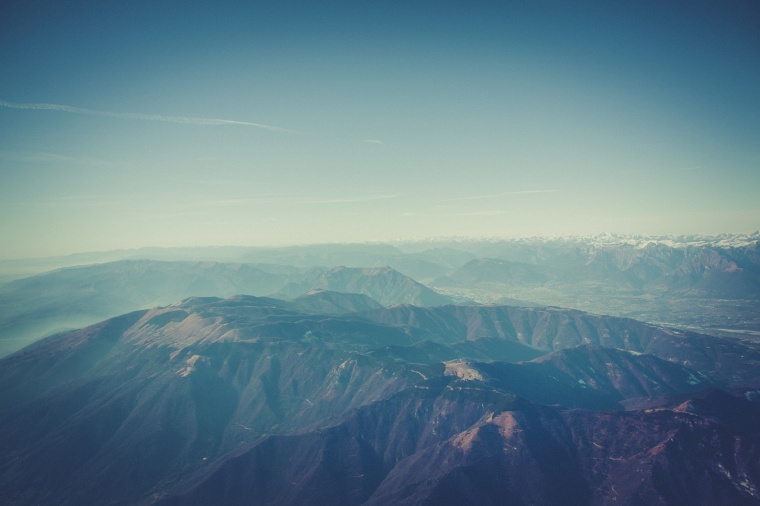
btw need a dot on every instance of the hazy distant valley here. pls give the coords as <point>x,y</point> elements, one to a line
<point>705,284</point>
<point>427,373</point>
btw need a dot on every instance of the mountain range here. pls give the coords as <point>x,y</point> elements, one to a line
<point>260,400</point>
<point>706,284</point>
<point>445,372</point>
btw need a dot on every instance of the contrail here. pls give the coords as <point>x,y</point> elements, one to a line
<point>183,120</point>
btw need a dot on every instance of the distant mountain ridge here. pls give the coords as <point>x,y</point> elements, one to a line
<point>704,271</point>
<point>77,296</point>
<point>710,285</point>
<point>383,284</point>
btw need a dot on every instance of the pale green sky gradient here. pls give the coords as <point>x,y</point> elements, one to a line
<point>404,121</point>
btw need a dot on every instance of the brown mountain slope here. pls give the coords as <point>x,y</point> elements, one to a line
<point>445,447</point>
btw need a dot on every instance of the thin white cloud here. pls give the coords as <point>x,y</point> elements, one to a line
<point>350,200</point>
<point>85,201</point>
<point>44,157</point>
<point>373,141</point>
<point>524,192</point>
<point>183,120</point>
<point>482,213</point>
<point>235,202</point>
<point>220,182</point>
<point>286,200</point>
<point>497,195</point>
<point>410,214</point>
<point>471,197</point>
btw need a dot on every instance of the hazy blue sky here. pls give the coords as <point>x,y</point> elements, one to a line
<point>134,123</point>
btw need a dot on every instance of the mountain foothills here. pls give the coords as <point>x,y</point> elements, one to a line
<point>445,373</point>
<point>257,400</point>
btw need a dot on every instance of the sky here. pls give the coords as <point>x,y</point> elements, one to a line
<point>191,123</point>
